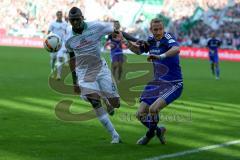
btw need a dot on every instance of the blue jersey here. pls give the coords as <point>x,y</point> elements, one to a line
<point>169,68</point>
<point>213,45</point>
<point>116,46</point>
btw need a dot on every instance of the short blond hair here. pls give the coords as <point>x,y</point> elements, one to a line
<point>156,20</point>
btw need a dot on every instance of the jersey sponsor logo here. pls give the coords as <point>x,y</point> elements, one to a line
<point>155,51</point>
<point>84,43</point>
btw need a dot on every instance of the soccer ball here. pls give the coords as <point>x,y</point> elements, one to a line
<point>52,43</point>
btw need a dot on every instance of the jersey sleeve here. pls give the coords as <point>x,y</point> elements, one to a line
<point>105,28</point>
<point>170,40</point>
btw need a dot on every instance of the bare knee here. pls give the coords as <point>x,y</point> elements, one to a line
<point>115,102</point>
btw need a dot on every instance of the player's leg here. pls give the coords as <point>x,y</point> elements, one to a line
<point>53,58</point>
<point>66,58</point>
<point>211,59</point>
<point>114,69</point>
<point>154,110</point>
<point>142,113</point>
<point>120,66</point>
<point>164,99</point>
<point>60,62</point>
<point>217,69</point>
<point>143,116</point>
<point>59,65</point>
<point>112,103</point>
<point>148,97</point>
<point>108,89</point>
<point>102,116</point>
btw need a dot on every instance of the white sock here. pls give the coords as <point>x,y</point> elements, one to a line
<point>59,69</point>
<point>104,119</point>
<point>52,64</point>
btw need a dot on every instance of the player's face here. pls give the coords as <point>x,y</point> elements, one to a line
<point>76,22</point>
<point>213,35</point>
<point>117,25</point>
<point>59,15</point>
<point>157,30</point>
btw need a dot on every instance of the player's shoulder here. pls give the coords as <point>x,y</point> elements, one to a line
<point>151,39</point>
<point>99,24</point>
<point>169,38</point>
<point>218,39</point>
<point>94,23</point>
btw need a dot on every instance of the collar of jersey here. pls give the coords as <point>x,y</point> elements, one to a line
<point>84,28</point>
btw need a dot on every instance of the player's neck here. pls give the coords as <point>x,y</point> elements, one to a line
<point>80,29</point>
<point>59,20</point>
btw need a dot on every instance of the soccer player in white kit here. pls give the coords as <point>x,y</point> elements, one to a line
<point>58,27</point>
<point>90,72</point>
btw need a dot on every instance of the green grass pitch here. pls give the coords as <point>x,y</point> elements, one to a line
<point>207,113</point>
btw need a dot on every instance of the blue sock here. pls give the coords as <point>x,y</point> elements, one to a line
<point>150,121</point>
<point>152,124</point>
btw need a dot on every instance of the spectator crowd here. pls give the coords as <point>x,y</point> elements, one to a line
<point>31,18</point>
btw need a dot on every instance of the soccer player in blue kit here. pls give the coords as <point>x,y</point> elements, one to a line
<point>167,84</point>
<point>213,45</point>
<point>116,53</point>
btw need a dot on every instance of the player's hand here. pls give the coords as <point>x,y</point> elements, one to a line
<point>76,89</point>
<point>152,57</point>
<point>140,42</point>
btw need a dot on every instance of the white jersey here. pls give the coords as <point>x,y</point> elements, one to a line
<point>89,42</point>
<point>93,73</point>
<point>59,28</point>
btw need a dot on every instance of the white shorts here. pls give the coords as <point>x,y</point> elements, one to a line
<point>102,82</point>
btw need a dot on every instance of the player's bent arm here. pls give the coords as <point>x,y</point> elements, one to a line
<point>134,48</point>
<point>175,50</point>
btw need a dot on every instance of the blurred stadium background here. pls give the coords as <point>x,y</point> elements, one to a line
<point>191,21</point>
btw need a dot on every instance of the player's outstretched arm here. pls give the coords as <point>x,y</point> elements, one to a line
<point>129,37</point>
<point>134,47</point>
<point>72,65</point>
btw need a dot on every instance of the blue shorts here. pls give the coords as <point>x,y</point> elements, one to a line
<point>213,58</point>
<point>117,58</point>
<point>168,91</point>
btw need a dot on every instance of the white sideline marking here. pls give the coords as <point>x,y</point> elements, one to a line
<point>193,150</point>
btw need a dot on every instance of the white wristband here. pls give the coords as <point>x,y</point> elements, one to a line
<point>162,56</point>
